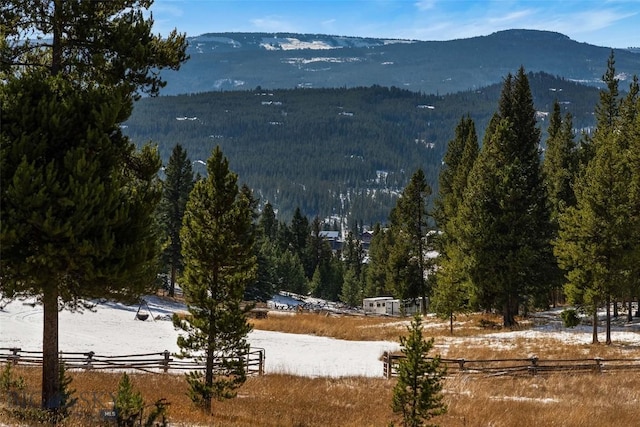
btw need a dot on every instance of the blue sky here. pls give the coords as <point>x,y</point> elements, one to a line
<point>610,23</point>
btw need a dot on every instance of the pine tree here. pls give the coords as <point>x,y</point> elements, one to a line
<point>598,239</point>
<point>217,239</point>
<point>451,286</point>
<point>410,226</point>
<point>128,403</point>
<point>298,238</point>
<point>77,205</point>
<point>91,195</point>
<point>504,217</point>
<point>376,273</point>
<point>268,223</point>
<point>418,393</point>
<point>560,169</point>
<point>176,189</point>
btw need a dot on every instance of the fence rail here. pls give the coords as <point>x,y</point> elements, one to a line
<point>525,366</point>
<point>148,362</point>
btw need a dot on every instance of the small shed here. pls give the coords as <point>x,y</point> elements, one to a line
<point>376,305</point>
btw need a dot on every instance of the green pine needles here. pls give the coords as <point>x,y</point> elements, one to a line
<point>218,251</point>
<point>418,394</point>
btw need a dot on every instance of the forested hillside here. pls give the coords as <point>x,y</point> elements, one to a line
<point>341,151</point>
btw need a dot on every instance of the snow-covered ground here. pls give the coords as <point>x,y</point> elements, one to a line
<point>111,330</point>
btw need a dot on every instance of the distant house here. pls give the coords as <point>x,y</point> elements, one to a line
<point>376,305</point>
<point>365,238</point>
<point>333,237</point>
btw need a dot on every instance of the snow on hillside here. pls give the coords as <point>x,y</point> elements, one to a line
<point>111,329</point>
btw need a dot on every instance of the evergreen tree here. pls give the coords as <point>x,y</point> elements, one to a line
<point>451,286</point>
<point>93,195</point>
<point>417,395</point>
<point>290,274</point>
<point>217,239</point>
<point>77,205</point>
<point>598,239</point>
<point>351,293</point>
<point>128,403</point>
<point>176,189</point>
<point>560,163</point>
<point>327,275</point>
<point>504,217</point>
<point>353,254</point>
<point>560,168</point>
<point>410,225</point>
<point>268,223</point>
<point>299,233</point>
<point>376,273</point>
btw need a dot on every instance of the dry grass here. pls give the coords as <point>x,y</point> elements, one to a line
<point>281,400</point>
<point>567,400</point>
<point>372,328</point>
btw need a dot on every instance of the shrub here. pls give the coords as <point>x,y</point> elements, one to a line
<point>570,318</point>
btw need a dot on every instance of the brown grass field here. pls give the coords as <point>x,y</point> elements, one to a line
<point>584,399</point>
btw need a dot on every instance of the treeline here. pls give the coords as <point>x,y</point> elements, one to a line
<point>510,230</point>
<point>346,152</point>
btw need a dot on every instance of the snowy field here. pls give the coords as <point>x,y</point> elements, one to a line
<point>112,330</point>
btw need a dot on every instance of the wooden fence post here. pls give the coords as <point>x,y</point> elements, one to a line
<point>14,355</point>
<point>388,364</point>
<point>598,364</point>
<point>534,365</point>
<point>461,363</point>
<point>261,364</point>
<point>165,362</point>
<point>89,360</point>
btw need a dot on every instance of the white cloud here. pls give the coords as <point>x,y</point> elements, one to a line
<point>511,18</point>
<point>597,19</point>
<point>425,4</point>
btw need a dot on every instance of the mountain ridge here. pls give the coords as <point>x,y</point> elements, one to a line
<point>232,61</point>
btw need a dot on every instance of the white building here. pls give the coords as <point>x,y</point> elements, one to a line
<point>376,305</point>
<point>391,307</point>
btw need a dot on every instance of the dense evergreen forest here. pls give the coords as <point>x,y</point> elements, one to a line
<point>343,152</point>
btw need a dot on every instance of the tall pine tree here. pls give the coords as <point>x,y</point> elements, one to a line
<point>598,239</point>
<point>451,288</point>
<point>69,73</point>
<point>504,217</point>
<point>560,169</point>
<point>409,263</point>
<point>217,239</point>
<point>175,193</point>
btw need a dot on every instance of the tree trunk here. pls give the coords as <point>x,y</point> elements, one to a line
<point>208,377</point>
<point>424,305</point>
<point>508,319</point>
<point>172,281</point>
<point>50,364</point>
<point>608,327</point>
<point>594,340</point>
<point>451,323</point>
<point>630,311</point>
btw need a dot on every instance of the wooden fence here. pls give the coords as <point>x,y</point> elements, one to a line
<point>528,366</point>
<point>149,362</point>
